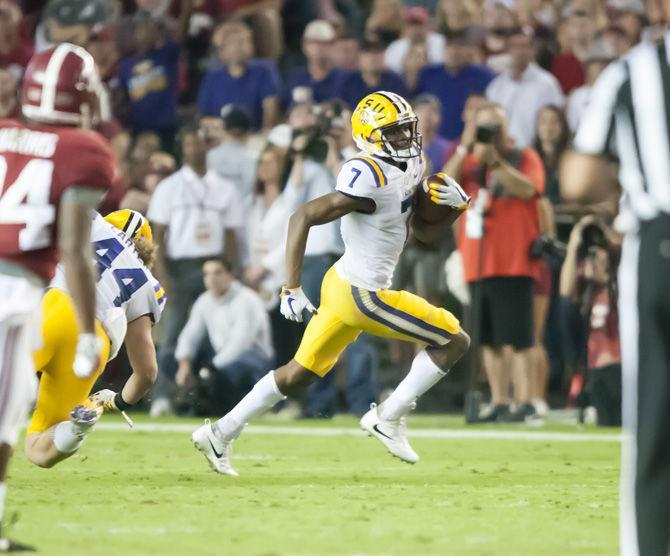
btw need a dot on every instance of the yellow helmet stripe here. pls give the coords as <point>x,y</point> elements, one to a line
<point>377,172</point>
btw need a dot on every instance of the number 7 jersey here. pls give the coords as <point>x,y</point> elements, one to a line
<point>38,165</point>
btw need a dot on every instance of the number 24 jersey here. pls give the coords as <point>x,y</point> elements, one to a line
<point>38,164</point>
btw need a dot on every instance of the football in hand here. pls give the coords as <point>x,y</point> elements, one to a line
<point>426,210</point>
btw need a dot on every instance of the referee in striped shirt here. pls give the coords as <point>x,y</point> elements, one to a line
<point>626,129</point>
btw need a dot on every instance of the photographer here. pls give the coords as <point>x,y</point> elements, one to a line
<point>588,286</point>
<point>495,239</point>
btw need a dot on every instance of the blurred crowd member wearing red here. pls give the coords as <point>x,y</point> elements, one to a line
<point>588,282</point>
<point>15,52</point>
<point>494,239</point>
<point>567,66</point>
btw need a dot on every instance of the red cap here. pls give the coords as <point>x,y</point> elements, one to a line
<point>417,14</point>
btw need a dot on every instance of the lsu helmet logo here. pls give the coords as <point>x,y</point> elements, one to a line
<point>384,124</point>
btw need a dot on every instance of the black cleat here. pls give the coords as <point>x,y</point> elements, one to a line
<point>493,414</point>
<point>523,412</point>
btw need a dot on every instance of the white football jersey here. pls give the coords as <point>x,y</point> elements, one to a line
<point>373,242</point>
<point>124,285</point>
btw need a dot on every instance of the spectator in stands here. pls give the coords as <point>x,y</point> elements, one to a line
<point>588,284</point>
<point>145,144</point>
<point>138,196</point>
<point>319,80</point>
<point>385,20</point>
<point>552,138</point>
<point>600,54</point>
<point>416,34</point>
<point>346,53</point>
<point>268,223</point>
<point>428,109</point>
<point>629,16</point>
<point>240,79</point>
<point>524,89</point>
<point>102,46</point>
<point>211,128</point>
<point>231,158</point>
<point>9,100</point>
<point>504,183</point>
<point>453,82</point>
<point>463,144</point>
<point>456,16</point>
<point>264,20</point>
<point>499,19</point>
<point>228,331</point>
<point>372,75</point>
<point>567,66</point>
<point>148,80</point>
<point>194,215</point>
<point>14,51</point>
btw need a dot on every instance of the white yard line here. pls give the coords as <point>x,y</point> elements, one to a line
<point>432,434</point>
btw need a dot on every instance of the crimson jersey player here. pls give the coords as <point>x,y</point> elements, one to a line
<point>52,174</point>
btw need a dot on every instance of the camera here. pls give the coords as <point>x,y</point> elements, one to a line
<point>543,245</point>
<point>329,122</point>
<point>487,134</point>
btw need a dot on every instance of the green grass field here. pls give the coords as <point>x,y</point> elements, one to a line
<point>149,492</point>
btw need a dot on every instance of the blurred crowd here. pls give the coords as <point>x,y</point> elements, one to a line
<point>225,115</point>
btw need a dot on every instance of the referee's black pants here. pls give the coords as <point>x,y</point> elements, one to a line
<point>645,327</point>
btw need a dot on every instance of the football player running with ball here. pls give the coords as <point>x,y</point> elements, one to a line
<point>374,197</point>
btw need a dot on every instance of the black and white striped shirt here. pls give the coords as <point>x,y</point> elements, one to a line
<point>628,118</point>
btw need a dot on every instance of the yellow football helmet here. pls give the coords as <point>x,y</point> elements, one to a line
<point>384,124</point>
<point>132,223</point>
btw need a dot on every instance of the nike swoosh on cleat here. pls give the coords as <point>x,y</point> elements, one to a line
<point>377,429</point>
<point>214,449</point>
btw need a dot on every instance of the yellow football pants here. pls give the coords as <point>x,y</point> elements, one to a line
<point>346,311</point>
<point>60,389</point>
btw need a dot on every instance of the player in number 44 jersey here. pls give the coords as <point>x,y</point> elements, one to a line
<point>129,301</point>
<point>374,198</point>
<point>52,173</point>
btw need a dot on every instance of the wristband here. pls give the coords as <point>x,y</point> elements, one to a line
<point>120,403</point>
<point>461,150</point>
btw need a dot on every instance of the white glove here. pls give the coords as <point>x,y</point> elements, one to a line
<point>105,398</point>
<point>293,303</point>
<point>87,356</point>
<point>451,194</point>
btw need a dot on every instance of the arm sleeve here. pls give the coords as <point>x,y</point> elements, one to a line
<point>361,177</point>
<point>193,333</point>
<point>531,166</point>
<point>159,206</point>
<point>597,121</point>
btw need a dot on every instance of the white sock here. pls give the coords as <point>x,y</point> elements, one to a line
<point>68,437</point>
<point>3,491</point>
<point>422,376</point>
<point>263,397</point>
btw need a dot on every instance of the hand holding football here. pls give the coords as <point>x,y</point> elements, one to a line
<point>440,198</point>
